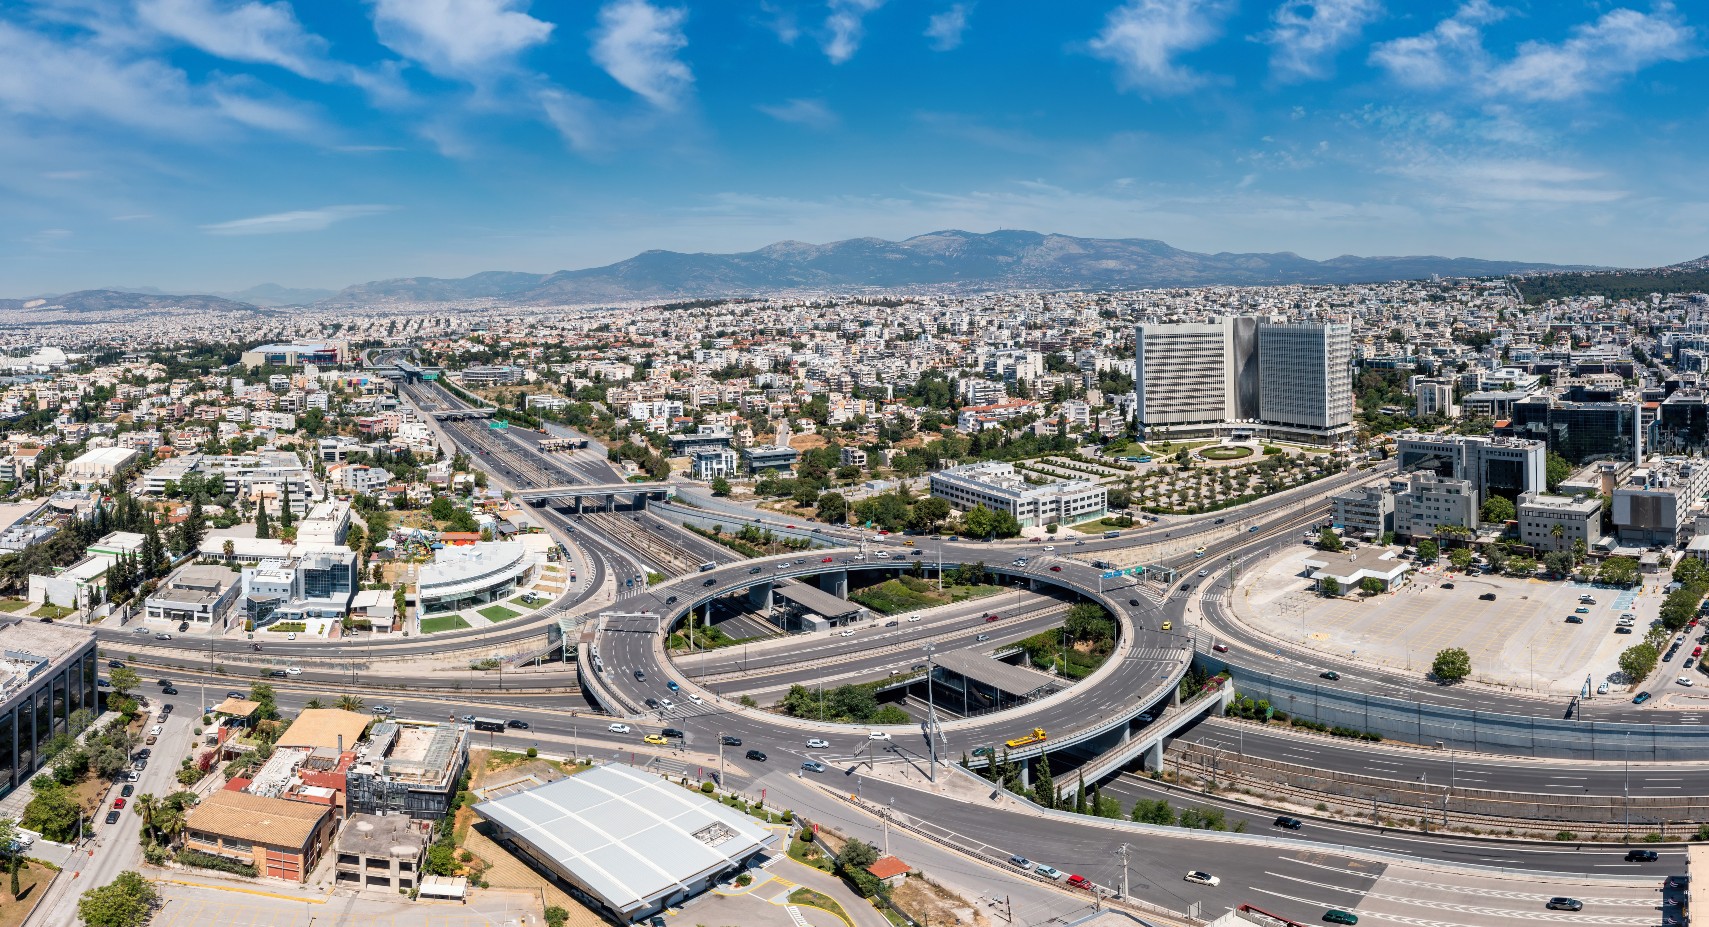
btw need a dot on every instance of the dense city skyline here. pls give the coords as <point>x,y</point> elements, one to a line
<point>196,145</point>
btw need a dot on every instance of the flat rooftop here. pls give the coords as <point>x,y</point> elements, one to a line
<point>1015,680</point>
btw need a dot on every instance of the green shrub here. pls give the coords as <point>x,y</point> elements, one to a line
<point>210,861</point>
<point>706,788</point>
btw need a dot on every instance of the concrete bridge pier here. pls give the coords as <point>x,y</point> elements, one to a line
<point>760,597</point>
<point>839,583</point>
<point>610,500</point>
<point>1153,758</point>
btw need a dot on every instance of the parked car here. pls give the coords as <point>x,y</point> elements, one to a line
<point>128,790</point>
<point>1575,619</point>
<point>1079,881</point>
<point>112,817</point>
<point>1049,872</point>
<point>118,803</point>
<point>1021,861</point>
<point>1487,597</point>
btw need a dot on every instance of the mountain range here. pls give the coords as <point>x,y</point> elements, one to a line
<point>946,261</point>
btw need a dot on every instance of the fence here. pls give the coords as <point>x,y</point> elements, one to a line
<point>1469,729</point>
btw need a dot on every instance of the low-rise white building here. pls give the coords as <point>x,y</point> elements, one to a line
<point>1554,523</point>
<point>999,487</point>
<point>99,466</point>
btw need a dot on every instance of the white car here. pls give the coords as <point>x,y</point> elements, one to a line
<point>818,743</point>
<point>693,697</point>
<point>1204,572</point>
<point>666,703</point>
<point>293,671</point>
<point>1685,681</point>
<point>1602,689</point>
<point>154,731</point>
<point>877,735</point>
<point>846,632</point>
<point>1202,878</point>
<point>1048,548</point>
<point>913,618</point>
<point>618,727</point>
<point>291,636</point>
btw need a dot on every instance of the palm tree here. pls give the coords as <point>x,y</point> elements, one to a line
<point>170,820</point>
<point>314,703</point>
<point>349,703</point>
<point>146,805</point>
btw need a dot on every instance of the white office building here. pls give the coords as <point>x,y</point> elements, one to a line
<point>1554,523</point>
<point>999,487</point>
<point>1429,500</point>
<point>1305,380</point>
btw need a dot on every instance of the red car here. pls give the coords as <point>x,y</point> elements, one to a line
<point>118,803</point>
<point>992,617</point>
<point>1079,881</point>
<point>826,560</point>
<point>1697,652</point>
<point>1220,647</point>
<point>1055,569</point>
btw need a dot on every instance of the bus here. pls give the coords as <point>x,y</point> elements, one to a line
<point>1112,534</point>
<point>708,567</point>
<point>489,724</point>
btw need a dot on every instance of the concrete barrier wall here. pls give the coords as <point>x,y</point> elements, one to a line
<point>1470,729</point>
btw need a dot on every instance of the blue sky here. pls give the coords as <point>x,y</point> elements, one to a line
<point>197,145</point>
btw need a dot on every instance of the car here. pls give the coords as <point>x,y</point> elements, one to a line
<point>115,664</point>
<point>1134,602</point>
<point>640,676</point>
<point>276,674</point>
<point>183,626</point>
<point>672,732</point>
<point>711,582</point>
<point>919,553</point>
<point>467,719</point>
<point>516,724</point>
<point>1685,681</point>
<point>1079,881</point>
<point>1079,543</point>
<point>730,741</point>
<point>1288,823</point>
<point>1204,572</point>
<point>1338,916</point>
<point>127,791</point>
<point>617,727</point>
<point>982,638</point>
<point>655,739</point>
<point>671,600</point>
<point>1220,647</point>
<point>913,618</point>
<point>169,690</point>
<point>381,710</point>
<point>1487,597</point>
<point>1565,904</point>
<point>993,617</point>
<point>139,630</point>
<point>1581,610</point>
<point>694,697</point>
<point>293,671</point>
<point>233,693</point>
<point>1055,568</point>
<point>255,647</point>
<point>1697,651</point>
<point>1198,551</point>
<point>653,704</point>
<point>112,817</point>
<point>756,570</point>
<point>1202,878</point>
<point>825,560</point>
<point>755,755</point>
<point>162,637</point>
<point>813,766</point>
<point>1602,689</point>
<point>877,735</point>
<point>1623,629</point>
<point>1330,675</point>
<point>672,685</point>
<point>891,624</point>
<point>1020,862</point>
<point>1641,856</point>
<point>1049,547</point>
<point>818,743</point>
<point>1049,872</point>
<point>1166,626</point>
<point>1640,698</point>
<point>1575,619</point>
<point>1444,586</point>
<point>118,803</point>
<point>1689,663</point>
<point>155,730</point>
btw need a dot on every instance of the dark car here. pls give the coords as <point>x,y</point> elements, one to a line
<point>166,709</point>
<point>1133,601</point>
<point>1338,916</point>
<point>1287,822</point>
<point>729,741</point>
<point>756,756</point>
<point>671,600</point>
<point>672,732</point>
<point>235,694</point>
<point>1487,597</point>
<point>1447,585</point>
<point>756,570</point>
<point>518,725</point>
<point>128,790</point>
<point>1330,675</point>
<point>1565,904</point>
<point>115,664</point>
<point>640,676</point>
<point>169,690</point>
<point>1575,619</point>
<point>1640,698</point>
<point>183,626</point>
<point>164,683</point>
<point>1641,856</point>
<point>711,582</point>
<point>113,817</point>
<point>653,703</point>
<point>277,674</point>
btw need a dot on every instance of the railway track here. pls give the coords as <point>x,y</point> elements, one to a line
<point>670,557</point>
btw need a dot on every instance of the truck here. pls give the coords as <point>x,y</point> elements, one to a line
<point>1037,736</point>
<point>488,724</point>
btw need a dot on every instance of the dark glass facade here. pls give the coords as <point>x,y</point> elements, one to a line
<point>1579,432</point>
<point>42,709</point>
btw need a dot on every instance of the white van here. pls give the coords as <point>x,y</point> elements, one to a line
<point>877,735</point>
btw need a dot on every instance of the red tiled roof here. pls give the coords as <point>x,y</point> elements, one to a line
<point>887,867</point>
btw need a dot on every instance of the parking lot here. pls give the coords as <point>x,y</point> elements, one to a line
<point>1516,630</point>
<point>196,906</point>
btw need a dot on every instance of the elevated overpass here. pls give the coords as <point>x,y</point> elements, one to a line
<point>604,493</point>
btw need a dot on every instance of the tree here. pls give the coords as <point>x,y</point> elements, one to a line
<point>52,811</point>
<point>1555,469</point>
<point>928,514</point>
<point>1690,571</point>
<point>1638,661</point>
<point>357,540</point>
<point>1371,585</point>
<point>349,703</point>
<point>125,680</point>
<point>720,486</point>
<point>833,508</point>
<point>1451,665</point>
<point>1619,571</point>
<point>1460,558</point>
<point>1558,563</point>
<point>1329,586</point>
<point>194,527</point>
<point>286,517</point>
<point>1044,785</point>
<point>856,856</point>
<point>1429,550</point>
<point>1498,509</point>
<point>314,703</point>
<point>10,853</point>
<point>263,526</point>
<point>1327,539</point>
<point>228,548</point>
<point>127,901</point>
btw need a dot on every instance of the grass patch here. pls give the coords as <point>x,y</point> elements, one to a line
<point>1229,452</point>
<point>497,613</point>
<point>529,605</point>
<point>442,623</point>
<point>809,854</point>
<point>653,579</point>
<point>813,899</point>
<point>1076,661</point>
<point>52,611</point>
<point>13,605</point>
<point>911,593</point>
<point>32,885</point>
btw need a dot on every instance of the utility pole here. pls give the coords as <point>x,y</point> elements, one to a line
<point>933,731</point>
<point>1124,870</point>
<point>720,759</point>
<point>888,811</point>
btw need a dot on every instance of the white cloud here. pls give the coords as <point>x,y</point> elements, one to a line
<point>458,38</point>
<point>946,28</point>
<point>811,113</point>
<point>263,33</point>
<point>1143,38</point>
<point>300,220</point>
<point>1308,33</point>
<point>636,43</point>
<point>1595,57</point>
<point>845,27</point>
<point>781,22</point>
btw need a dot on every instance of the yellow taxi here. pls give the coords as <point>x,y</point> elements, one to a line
<point>655,739</point>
